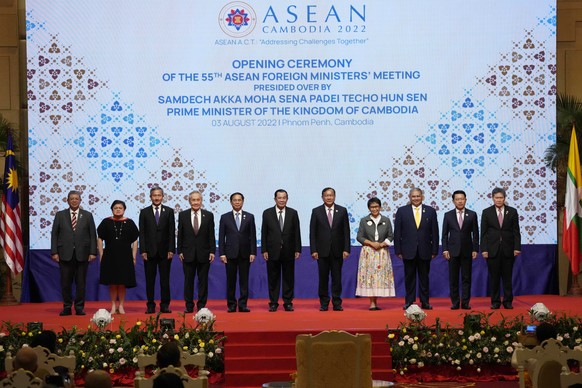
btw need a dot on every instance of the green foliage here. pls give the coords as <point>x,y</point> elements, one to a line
<point>115,350</point>
<point>420,345</point>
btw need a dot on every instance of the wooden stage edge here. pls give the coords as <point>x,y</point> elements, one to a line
<point>306,318</point>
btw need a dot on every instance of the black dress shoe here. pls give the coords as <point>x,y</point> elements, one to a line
<point>272,309</point>
<point>406,306</point>
<point>323,308</point>
<point>495,307</point>
<point>288,307</point>
<point>244,310</point>
<point>189,311</point>
<point>80,312</point>
<point>375,308</point>
<point>338,308</point>
<point>466,307</point>
<point>231,310</point>
<point>150,311</point>
<point>508,306</point>
<point>65,312</point>
<point>455,307</point>
<point>426,306</point>
<point>166,311</point>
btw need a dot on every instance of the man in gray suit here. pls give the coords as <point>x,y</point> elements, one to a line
<point>73,246</point>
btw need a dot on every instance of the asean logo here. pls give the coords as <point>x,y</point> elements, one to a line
<point>237,19</point>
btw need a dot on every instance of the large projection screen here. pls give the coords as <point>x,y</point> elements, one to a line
<point>369,97</point>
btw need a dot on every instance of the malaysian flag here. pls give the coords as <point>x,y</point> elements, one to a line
<point>10,229</point>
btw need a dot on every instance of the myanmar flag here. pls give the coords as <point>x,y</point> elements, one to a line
<point>573,211</point>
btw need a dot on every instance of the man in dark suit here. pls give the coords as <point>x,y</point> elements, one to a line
<point>73,246</point>
<point>237,244</point>
<point>157,243</point>
<point>460,246</point>
<point>500,244</point>
<point>281,246</point>
<point>416,241</point>
<point>196,248</point>
<point>329,242</point>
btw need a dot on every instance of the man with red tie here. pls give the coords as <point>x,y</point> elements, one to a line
<point>460,247</point>
<point>500,245</point>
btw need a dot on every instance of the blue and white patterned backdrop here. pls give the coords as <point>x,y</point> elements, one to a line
<point>96,125</point>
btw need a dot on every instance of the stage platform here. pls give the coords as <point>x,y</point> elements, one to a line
<point>356,317</point>
<point>250,334</point>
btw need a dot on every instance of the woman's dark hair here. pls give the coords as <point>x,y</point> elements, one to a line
<point>374,200</point>
<point>118,202</point>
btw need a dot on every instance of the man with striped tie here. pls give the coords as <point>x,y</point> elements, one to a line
<point>73,246</point>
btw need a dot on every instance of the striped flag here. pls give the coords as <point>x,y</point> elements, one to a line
<point>573,211</point>
<point>10,229</point>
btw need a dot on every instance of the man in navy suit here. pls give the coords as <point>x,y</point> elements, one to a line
<point>329,241</point>
<point>281,246</point>
<point>157,242</point>
<point>196,247</point>
<point>237,245</point>
<point>73,246</point>
<point>500,245</point>
<point>460,246</point>
<point>416,241</point>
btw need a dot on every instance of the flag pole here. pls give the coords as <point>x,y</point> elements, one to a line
<point>8,298</point>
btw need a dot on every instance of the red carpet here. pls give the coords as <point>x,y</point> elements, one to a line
<point>261,345</point>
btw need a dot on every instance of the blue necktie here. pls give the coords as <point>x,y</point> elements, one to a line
<point>237,219</point>
<point>157,215</point>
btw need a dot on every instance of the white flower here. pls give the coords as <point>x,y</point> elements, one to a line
<point>2,335</point>
<point>195,350</point>
<point>471,362</point>
<point>460,332</point>
<point>420,364</point>
<point>479,370</point>
<point>567,335</point>
<point>458,362</point>
<point>575,328</point>
<point>210,354</point>
<point>187,335</point>
<point>413,360</point>
<point>560,338</point>
<point>458,368</point>
<point>112,341</point>
<point>477,336</point>
<point>496,350</point>
<point>218,350</point>
<point>165,336</point>
<point>415,313</point>
<point>401,343</point>
<point>411,340</point>
<point>102,318</point>
<point>204,316</point>
<point>578,340</point>
<point>467,356</point>
<point>478,355</point>
<point>104,365</point>
<point>122,361</point>
<point>471,338</point>
<point>134,360</point>
<point>119,349</point>
<point>493,339</point>
<point>509,349</point>
<point>415,347</point>
<point>90,359</point>
<point>111,351</point>
<point>485,349</point>
<point>1,348</point>
<point>406,337</point>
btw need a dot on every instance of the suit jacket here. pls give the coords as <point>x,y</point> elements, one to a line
<point>460,241</point>
<point>234,243</point>
<point>367,230</point>
<point>157,239</point>
<point>82,241</point>
<point>494,238</point>
<point>280,244</point>
<point>326,240</point>
<point>408,240</point>
<point>196,247</point>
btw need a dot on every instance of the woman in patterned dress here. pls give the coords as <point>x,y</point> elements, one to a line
<point>375,276</point>
<point>118,258</point>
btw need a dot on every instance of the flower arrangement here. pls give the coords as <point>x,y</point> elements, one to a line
<point>116,350</point>
<point>415,346</point>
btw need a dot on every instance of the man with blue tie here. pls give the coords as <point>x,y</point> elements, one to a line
<point>460,246</point>
<point>237,246</point>
<point>416,241</point>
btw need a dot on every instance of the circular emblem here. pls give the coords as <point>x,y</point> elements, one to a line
<point>237,19</point>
